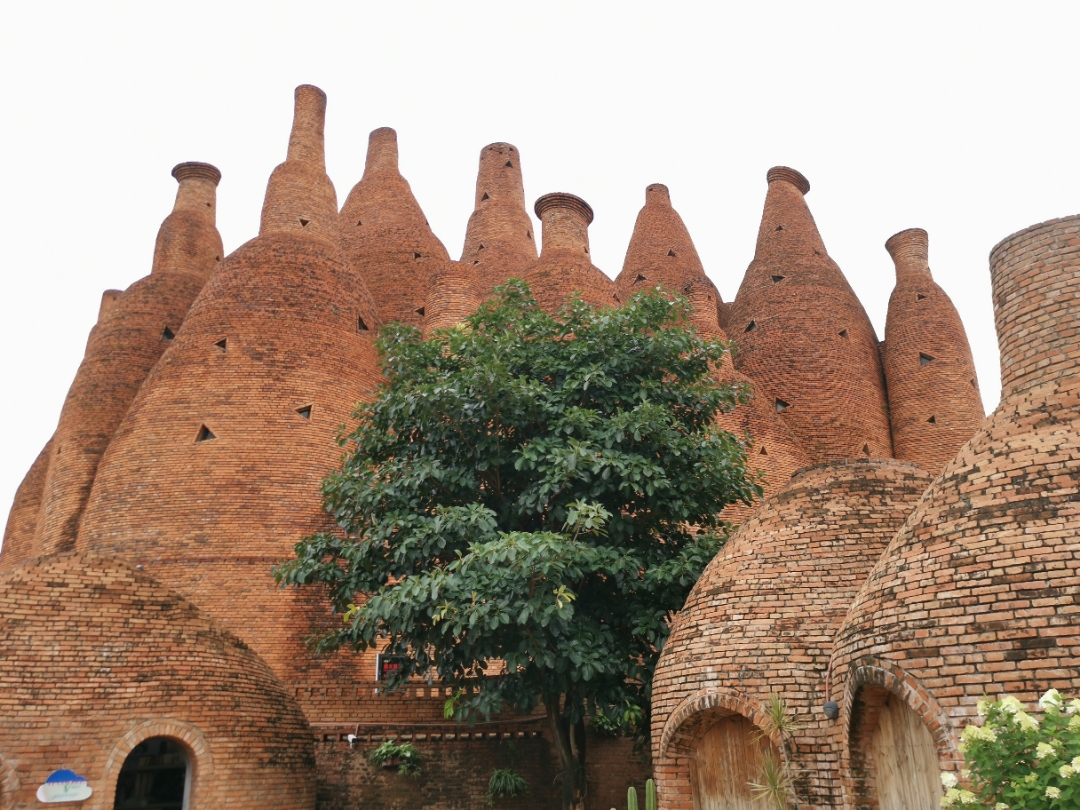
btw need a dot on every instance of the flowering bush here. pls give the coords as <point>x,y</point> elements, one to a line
<point>1016,762</point>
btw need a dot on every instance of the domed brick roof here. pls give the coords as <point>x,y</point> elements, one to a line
<point>22,519</point>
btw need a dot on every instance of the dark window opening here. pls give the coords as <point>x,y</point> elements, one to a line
<point>615,296</point>
<point>205,434</point>
<point>154,775</point>
<point>481,247</point>
<point>671,253</point>
<point>751,327</point>
<point>304,222</point>
<point>476,261</point>
<point>305,411</point>
<point>217,258</point>
<point>779,227</point>
<point>223,344</point>
<point>924,359</point>
<point>762,452</point>
<point>932,420</point>
<point>777,279</point>
<point>528,234</point>
<point>509,165</point>
<point>359,222</point>
<point>485,197</point>
<point>842,333</point>
<point>639,278</point>
<point>208,205</point>
<point>781,406</point>
<point>168,334</point>
<point>866,449</point>
<point>416,255</point>
<point>420,312</point>
<point>361,325</point>
<point>973,383</point>
<point>920,297</point>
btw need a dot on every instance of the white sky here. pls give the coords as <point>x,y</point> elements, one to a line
<point>957,117</point>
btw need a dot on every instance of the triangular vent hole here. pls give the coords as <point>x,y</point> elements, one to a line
<point>481,247</point>
<point>671,253</point>
<point>416,255</point>
<point>781,406</point>
<point>305,411</point>
<point>924,359</point>
<point>485,197</point>
<point>205,434</point>
<point>304,222</point>
<point>528,234</point>
<point>762,452</point>
<point>866,449</point>
<point>223,344</point>
<point>932,420</point>
<point>509,165</point>
<point>920,297</point>
<point>168,334</point>
<point>779,227</point>
<point>217,258</point>
<point>639,278</point>
<point>361,325</point>
<point>777,279</point>
<point>751,327</point>
<point>359,222</point>
<point>615,296</point>
<point>420,312</point>
<point>842,333</point>
<point>973,383</point>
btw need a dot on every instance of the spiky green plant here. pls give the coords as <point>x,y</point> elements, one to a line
<point>775,788</point>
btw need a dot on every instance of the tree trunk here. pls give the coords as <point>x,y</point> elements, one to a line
<point>570,746</point>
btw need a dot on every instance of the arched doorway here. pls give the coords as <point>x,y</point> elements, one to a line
<point>906,767</point>
<point>726,761</point>
<point>155,776</point>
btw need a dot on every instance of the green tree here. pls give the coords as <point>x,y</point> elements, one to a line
<point>525,503</point>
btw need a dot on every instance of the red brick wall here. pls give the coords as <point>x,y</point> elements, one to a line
<point>98,657</point>
<point>762,618</point>
<point>22,519</point>
<point>455,293</point>
<point>934,402</point>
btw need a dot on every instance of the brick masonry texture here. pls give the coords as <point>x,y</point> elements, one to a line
<point>763,615</point>
<point>99,657</point>
<point>934,402</point>
<point>19,533</point>
<point>794,303</point>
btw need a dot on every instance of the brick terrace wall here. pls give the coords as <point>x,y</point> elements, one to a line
<point>803,336</point>
<point>934,402</point>
<point>125,344</point>
<point>98,657</point>
<point>22,519</point>
<point>763,615</point>
<point>387,237</point>
<point>978,592</point>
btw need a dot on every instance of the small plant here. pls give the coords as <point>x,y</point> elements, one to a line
<point>505,783</point>
<point>650,797</point>
<point>1016,761</point>
<point>775,786</point>
<point>402,756</point>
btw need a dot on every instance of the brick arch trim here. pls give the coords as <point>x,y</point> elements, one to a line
<point>679,735</point>
<point>200,757</point>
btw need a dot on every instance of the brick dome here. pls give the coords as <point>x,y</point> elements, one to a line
<point>387,237</point>
<point>762,618</point>
<point>22,519</point>
<point>976,592</point>
<point>99,657</point>
<point>133,330</point>
<point>803,336</point>
<point>564,266</point>
<point>499,240</point>
<point>215,472</point>
<point>934,402</point>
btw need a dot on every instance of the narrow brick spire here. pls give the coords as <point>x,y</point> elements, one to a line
<point>934,402</point>
<point>387,237</point>
<point>188,240</point>
<point>499,240</point>
<point>803,336</point>
<point>564,266</point>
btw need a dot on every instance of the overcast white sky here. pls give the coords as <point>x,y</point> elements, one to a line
<point>957,117</point>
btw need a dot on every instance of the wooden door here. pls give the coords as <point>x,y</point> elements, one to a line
<point>726,761</point>
<point>906,767</point>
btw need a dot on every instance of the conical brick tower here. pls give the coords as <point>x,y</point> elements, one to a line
<point>976,594</point>
<point>934,402</point>
<point>499,240</point>
<point>803,336</point>
<point>455,294</point>
<point>133,330</point>
<point>387,238</point>
<point>22,520</point>
<point>215,473</point>
<point>564,266</point>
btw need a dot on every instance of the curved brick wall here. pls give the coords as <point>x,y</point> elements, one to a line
<point>134,329</point>
<point>564,266</point>
<point>1036,290</point>
<point>977,592</point>
<point>455,294</point>
<point>499,240</point>
<point>22,519</point>
<point>271,361</point>
<point>387,238</point>
<point>98,657</point>
<point>763,615</point>
<point>934,402</point>
<point>804,337</point>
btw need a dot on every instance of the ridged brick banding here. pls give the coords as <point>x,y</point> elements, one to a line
<point>564,266</point>
<point>125,659</point>
<point>763,615</point>
<point>803,336</point>
<point>454,295</point>
<point>387,238</point>
<point>276,331</point>
<point>934,402</point>
<point>22,519</point>
<point>499,240</point>
<point>977,593</point>
<point>1036,280</point>
<point>134,329</point>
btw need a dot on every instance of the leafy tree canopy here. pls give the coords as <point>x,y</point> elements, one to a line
<point>527,500</point>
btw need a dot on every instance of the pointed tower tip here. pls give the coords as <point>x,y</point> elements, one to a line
<point>657,194</point>
<point>562,200</point>
<point>193,169</point>
<point>309,117</point>
<point>789,176</point>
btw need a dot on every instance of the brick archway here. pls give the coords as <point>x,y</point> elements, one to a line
<point>200,757</point>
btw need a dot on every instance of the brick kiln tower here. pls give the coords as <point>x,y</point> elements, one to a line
<point>387,237</point>
<point>499,240</point>
<point>803,336</point>
<point>662,254</point>
<point>761,620</point>
<point>976,593</point>
<point>22,520</point>
<point>564,266</point>
<point>133,329</point>
<point>215,472</point>
<point>934,402</point>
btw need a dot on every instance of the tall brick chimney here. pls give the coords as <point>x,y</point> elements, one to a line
<point>188,241</point>
<point>803,336</point>
<point>387,237</point>
<point>499,239</point>
<point>934,402</point>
